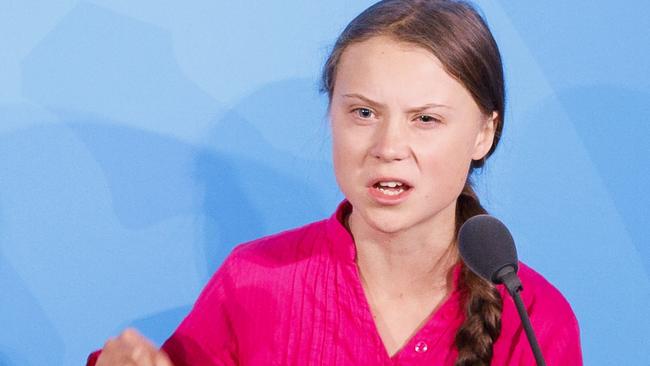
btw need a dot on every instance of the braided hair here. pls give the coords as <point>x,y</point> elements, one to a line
<point>483,304</point>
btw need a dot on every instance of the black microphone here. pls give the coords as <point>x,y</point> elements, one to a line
<point>488,249</point>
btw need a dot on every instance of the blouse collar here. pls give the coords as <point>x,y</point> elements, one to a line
<point>343,243</point>
<point>340,238</point>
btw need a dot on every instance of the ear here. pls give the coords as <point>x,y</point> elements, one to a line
<point>485,137</point>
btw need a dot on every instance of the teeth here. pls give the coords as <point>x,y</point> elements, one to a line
<point>391,192</point>
<point>390,184</point>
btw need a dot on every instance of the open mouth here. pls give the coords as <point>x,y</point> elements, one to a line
<point>391,188</point>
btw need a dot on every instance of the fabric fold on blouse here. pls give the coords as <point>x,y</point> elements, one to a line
<point>295,298</point>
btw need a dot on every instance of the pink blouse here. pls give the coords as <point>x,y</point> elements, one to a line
<point>295,298</point>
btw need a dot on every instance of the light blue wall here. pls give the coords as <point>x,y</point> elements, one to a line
<point>139,141</point>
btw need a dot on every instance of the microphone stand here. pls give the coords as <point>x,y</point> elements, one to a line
<point>509,278</point>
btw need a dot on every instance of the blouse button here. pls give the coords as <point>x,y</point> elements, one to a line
<point>421,347</point>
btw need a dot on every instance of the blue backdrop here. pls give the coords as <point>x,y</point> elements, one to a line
<point>139,141</point>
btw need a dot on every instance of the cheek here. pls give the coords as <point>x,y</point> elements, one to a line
<point>344,154</point>
<point>338,158</point>
<point>446,168</point>
<point>340,146</point>
<point>349,141</point>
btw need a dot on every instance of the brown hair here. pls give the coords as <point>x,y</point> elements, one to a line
<point>459,37</point>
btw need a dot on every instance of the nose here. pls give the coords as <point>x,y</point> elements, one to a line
<point>390,141</point>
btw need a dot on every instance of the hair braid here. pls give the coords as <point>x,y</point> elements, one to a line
<point>483,303</point>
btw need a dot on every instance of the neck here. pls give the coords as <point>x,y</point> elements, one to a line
<point>415,262</point>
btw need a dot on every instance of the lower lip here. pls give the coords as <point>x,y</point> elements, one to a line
<point>386,199</point>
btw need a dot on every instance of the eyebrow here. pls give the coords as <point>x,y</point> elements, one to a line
<point>381,105</point>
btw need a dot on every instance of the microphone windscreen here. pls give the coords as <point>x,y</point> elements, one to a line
<point>486,246</point>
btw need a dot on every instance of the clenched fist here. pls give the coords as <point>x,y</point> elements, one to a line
<point>132,349</point>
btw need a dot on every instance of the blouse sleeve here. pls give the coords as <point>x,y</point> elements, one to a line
<point>206,336</point>
<point>561,345</point>
<point>558,336</point>
<point>553,321</point>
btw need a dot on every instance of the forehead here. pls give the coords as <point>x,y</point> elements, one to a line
<point>386,68</point>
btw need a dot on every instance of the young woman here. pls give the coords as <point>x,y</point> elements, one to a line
<point>416,103</point>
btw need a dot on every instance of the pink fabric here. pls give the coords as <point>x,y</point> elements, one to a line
<point>295,298</point>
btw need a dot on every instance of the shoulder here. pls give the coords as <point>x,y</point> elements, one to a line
<point>279,247</point>
<point>275,251</point>
<point>546,305</point>
<point>550,314</point>
<point>537,289</point>
<point>548,309</point>
<point>258,259</point>
<point>542,298</point>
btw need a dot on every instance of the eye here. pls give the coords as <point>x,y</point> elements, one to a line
<point>425,119</point>
<point>363,113</point>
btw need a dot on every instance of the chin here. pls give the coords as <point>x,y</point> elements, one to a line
<point>387,222</point>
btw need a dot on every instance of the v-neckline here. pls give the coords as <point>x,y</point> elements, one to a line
<point>436,315</point>
<point>345,248</point>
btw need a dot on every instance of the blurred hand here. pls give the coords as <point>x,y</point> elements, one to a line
<point>132,349</point>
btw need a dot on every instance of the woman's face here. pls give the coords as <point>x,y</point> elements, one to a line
<point>404,134</point>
